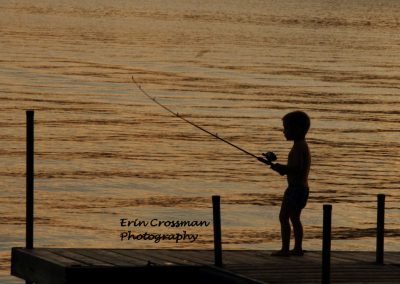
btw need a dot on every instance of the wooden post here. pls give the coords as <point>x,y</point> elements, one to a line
<point>380,229</point>
<point>217,230</point>
<point>29,177</point>
<point>326,244</point>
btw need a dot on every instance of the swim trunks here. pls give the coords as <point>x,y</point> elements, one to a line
<point>296,197</point>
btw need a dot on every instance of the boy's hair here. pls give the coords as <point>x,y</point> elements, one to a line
<point>299,121</point>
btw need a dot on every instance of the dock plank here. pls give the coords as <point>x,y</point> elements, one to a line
<point>141,260</point>
<point>162,258</point>
<point>50,256</point>
<point>171,257</point>
<point>39,266</point>
<point>82,257</point>
<point>66,265</point>
<point>197,256</point>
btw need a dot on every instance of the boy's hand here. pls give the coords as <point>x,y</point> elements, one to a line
<point>265,161</point>
<point>281,169</point>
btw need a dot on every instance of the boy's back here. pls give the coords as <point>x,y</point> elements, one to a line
<point>299,163</point>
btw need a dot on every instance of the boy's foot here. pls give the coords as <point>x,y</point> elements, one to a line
<point>281,253</point>
<point>297,252</point>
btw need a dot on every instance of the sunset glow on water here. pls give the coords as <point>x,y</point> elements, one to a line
<point>105,152</point>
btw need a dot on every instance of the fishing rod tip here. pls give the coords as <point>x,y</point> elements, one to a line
<point>136,83</point>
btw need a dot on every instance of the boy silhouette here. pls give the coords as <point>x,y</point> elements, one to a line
<point>295,128</point>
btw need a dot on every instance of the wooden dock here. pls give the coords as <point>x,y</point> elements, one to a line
<point>75,265</point>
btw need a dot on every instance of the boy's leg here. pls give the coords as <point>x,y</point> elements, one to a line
<point>285,227</point>
<point>298,231</point>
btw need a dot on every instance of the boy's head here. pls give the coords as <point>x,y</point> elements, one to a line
<point>296,125</point>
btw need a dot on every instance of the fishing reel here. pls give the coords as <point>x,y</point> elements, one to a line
<point>269,157</point>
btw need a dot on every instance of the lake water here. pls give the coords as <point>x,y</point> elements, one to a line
<point>105,152</point>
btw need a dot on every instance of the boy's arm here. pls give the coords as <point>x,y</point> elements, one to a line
<point>281,169</point>
<point>284,169</point>
<point>295,162</point>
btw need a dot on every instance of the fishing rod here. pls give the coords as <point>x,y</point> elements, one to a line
<point>269,156</point>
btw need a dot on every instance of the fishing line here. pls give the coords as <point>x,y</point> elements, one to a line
<point>270,156</point>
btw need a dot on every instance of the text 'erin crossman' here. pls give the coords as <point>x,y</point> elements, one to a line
<point>163,223</point>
